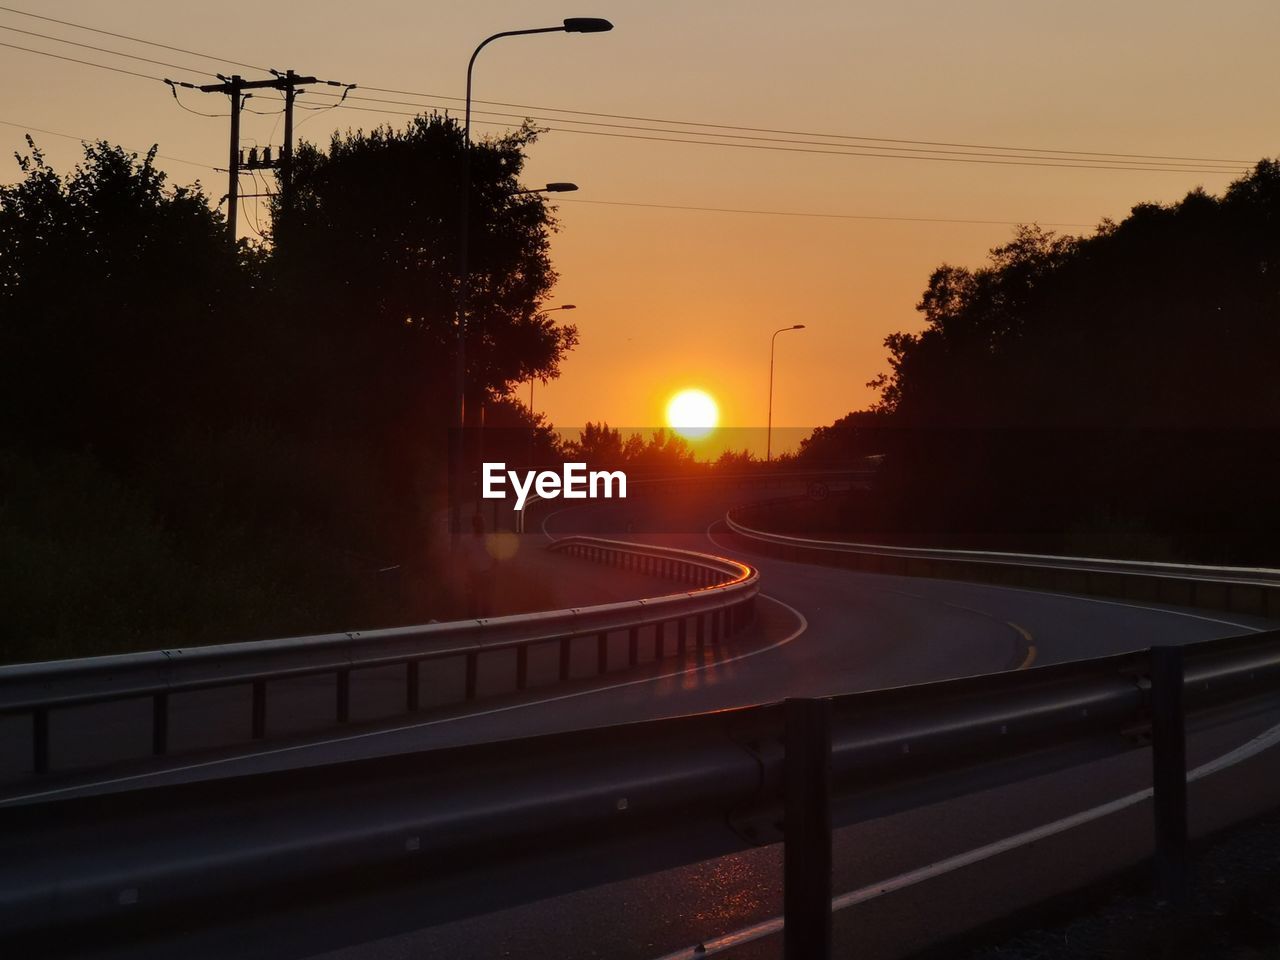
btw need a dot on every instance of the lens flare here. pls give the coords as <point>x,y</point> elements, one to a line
<point>692,414</point>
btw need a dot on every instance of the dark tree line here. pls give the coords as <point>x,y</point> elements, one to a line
<point>1115,392</point>
<point>208,441</point>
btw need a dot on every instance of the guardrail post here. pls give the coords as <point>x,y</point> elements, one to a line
<point>716,617</point>
<point>40,740</point>
<point>258,726</point>
<point>473,667</point>
<point>602,653</point>
<point>659,641</point>
<point>565,649</point>
<point>343,706</point>
<point>633,646</point>
<point>1169,773</point>
<point>807,830</point>
<point>411,686</point>
<point>682,637</point>
<point>160,724</point>
<point>522,667</point>
<point>701,633</point>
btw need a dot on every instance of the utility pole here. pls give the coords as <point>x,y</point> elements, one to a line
<point>291,80</point>
<point>289,83</point>
<point>235,88</point>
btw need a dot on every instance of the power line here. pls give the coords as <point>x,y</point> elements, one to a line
<point>1063,163</point>
<point>256,225</point>
<point>173,88</point>
<point>800,133</point>
<point>658,206</point>
<point>1074,159</point>
<point>125,36</point>
<point>263,113</point>
<point>808,214</point>
<point>87,63</point>
<point>236,88</point>
<point>114,53</point>
<point>69,136</point>
<point>883,156</point>
<point>710,125</point>
<point>871,147</point>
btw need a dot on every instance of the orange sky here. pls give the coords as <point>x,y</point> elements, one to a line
<point>670,299</point>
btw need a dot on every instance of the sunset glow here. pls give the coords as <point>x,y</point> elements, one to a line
<point>693,414</point>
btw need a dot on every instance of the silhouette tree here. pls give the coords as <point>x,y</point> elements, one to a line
<point>274,415</point>
<point>122,308</point>
<point>366,264</point>
<point>598,445</point>
<point>365,284</point>
<point>1076,388</point>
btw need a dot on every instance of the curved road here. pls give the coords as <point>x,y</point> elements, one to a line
<point>821,631</point>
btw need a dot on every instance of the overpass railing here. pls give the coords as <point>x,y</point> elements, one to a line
<point>718,603</point>
<point>615,802</point>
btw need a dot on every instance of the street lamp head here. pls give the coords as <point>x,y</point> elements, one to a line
<point>586,25</point>
<point>568,306</point>
<point>561,187</point>
<point>798,326</point>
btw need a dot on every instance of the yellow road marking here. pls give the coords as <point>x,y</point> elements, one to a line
<point>1030,658</point>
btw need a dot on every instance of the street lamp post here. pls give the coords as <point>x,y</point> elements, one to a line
<point>563,306</point>
<point>773,342</point>
<point>549,188</point>
<point>533,427</point>
<point>570,25</point>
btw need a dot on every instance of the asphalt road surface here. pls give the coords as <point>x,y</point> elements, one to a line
<point>911,878</point>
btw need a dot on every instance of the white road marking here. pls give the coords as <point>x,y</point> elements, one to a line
<point>803,625</point>
<point>1264,741</point>
<point>555,513</point>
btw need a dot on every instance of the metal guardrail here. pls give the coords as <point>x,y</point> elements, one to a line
<point>757,479</point>
<point>102,868</point>
<point>1251,590</point>
<point>720,603</point>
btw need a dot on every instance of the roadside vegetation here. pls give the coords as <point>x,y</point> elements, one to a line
<point>1111,394</point>
<point>206,441</point>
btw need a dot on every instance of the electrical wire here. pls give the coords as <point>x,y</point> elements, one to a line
<point>114,53</point>
<point>125,36</point>
<point>808,214</point>
<point>318,110</point>
<point>1073,159</point>
<point>781,140</point>
<point>279,113</point>
<point>1011,161</point>
<point>68,136</point>
<point>87,63</point>
<point>709,125</point>
<point>262,113</point>
<point>883,156</point>
<point>798,133</point>
<point>661,206</point>
<point>173,88</point>
<point>255,226</point>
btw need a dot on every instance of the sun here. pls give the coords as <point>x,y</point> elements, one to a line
<point>692,413</point>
